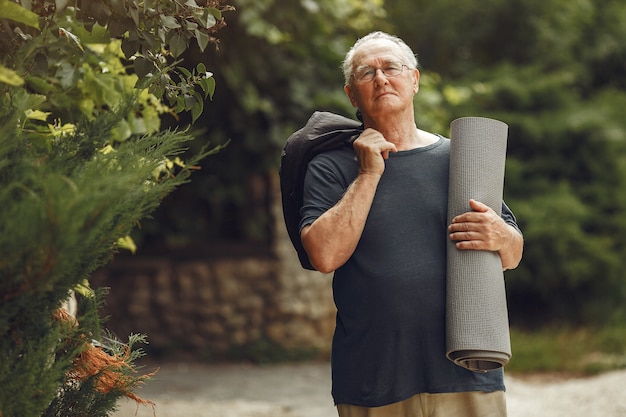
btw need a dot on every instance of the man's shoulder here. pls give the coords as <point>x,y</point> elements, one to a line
<point>323,132</point>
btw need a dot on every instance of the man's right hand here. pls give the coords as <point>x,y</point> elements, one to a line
<point>371,149</point>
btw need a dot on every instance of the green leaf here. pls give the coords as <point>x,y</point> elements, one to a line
<point>99,11</point>
<point>190,25</point>
<point>184,71</point>
<point>196,109</point>
<point>83,287</point>
<point>208,86</point>
<point>143,67</point>
<point>156,89</point>
<point>15,12</point>
<point>118,6</point>
<point>217,13</point>
<point>201,68</point>
<point>38,84</point>
<point>180,104</point>
<point>189,101</point>
<point>206,19</point>
<point>202,39</point>
<point>161,34</point>
<point>127,242</point>
<point>130,48</point>
<point>117,27</point>
<point>8,76</point>
<point>37,115</point>
<point>24,101</point>
<point>178,45</point>
<point>134,13</point>
<point>169,22</point>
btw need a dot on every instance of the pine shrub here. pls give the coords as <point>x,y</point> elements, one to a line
<point>65,206</point>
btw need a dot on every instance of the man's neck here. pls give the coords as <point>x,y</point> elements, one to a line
<point>403,133</point>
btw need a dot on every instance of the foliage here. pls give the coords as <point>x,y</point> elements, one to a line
<point>54,56</point>
<point>63,216</point>
<point>279,62</point>
<point>568,350</point>
<point>551,71</point>
<point>101,375</point>
<point>564,176</point>
<point>82,160</point>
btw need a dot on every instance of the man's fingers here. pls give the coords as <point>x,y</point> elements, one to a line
<point>465,226</point>
<point>471,244</point>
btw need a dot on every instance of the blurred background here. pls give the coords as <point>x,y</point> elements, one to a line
<point>215,277</point>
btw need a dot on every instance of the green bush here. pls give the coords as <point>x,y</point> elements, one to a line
<point>82,161</point>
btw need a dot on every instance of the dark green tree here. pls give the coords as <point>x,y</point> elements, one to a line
<point>553,71</point>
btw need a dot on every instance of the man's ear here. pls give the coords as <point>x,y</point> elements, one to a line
<point>416,82</point>
<point>350,95</point>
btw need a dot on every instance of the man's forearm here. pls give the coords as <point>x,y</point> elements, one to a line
<point>511,254</point>
<point>332,238</point>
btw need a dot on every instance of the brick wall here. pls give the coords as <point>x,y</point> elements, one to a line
<point>219,305</point>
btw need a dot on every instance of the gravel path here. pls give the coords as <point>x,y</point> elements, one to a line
<point>303,390</point>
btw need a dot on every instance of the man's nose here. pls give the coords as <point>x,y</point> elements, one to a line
<point>378,77</point>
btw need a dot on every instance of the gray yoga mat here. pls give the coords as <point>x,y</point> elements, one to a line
<point>476,311</point>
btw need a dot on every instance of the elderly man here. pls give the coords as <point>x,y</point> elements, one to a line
<point>376,216</point>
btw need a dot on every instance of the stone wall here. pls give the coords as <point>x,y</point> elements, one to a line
<point>220,305</point>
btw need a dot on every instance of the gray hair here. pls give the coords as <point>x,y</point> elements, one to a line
<point>348,62</point>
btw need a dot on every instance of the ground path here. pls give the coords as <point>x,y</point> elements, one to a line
<point>303,390</point>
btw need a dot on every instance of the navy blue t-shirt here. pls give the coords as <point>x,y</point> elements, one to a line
<point>389,341</point>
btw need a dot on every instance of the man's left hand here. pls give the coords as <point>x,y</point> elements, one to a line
<point>484,229</point>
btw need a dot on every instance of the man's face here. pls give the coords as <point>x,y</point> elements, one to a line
<point>383,94</point>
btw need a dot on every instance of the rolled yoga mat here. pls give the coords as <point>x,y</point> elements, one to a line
<point>477,321</point>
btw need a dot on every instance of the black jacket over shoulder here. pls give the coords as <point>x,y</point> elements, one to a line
<point>324,131</point>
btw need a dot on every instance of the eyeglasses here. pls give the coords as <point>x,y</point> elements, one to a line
<point>389,70</point>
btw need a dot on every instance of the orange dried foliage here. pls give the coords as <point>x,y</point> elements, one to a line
<point>106,368</point>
